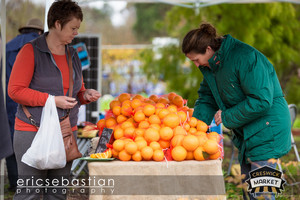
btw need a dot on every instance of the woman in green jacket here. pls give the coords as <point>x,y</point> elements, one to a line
<point>241,90</point>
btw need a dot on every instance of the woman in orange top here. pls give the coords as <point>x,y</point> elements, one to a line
<point>41,68</point>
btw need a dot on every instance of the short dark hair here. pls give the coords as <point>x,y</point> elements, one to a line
<point>63,11</point>
<point>197,40</point>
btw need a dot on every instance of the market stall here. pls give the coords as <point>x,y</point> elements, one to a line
<point>190,179</point>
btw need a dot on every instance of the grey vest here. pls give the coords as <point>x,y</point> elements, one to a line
<point>47,78</point>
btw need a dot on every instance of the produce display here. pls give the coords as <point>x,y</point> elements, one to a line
<point>157,128</point>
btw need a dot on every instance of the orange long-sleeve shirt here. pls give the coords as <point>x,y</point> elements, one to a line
<point>20,79</point>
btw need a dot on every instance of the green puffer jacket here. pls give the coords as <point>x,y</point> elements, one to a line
<point>244,85</point>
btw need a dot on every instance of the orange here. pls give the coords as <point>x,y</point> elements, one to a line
<point>163,101</point>
<point>118,145</point>
<point>126,103</point>
<point>200,133</point>
<point>138,96</point>
<point>131,120</point>
<point>182,116</point>
<point>141,144</point>
<point>126,124</point>
<point>164,112</point>
<point>215,156</point>
<point>144,124</point>
<point>115,153</point>
<point>139,138</point>
<point>193,131</point>
<point>193,122</point>
<point>171,95</point>
<point>154,119</point>
<point>178,101</point>
<point>155,126</point>
<point>214,136</point>
<point>190,112</point>
<point>158,155</point>
<point>178,130</point>
<point>178,153</point>
<point>160,105</point>
<point>164,143</point>
<point>190,142</point>
<point>139,116</point>
<point>149,110</point>
<point>123,97</point>
<point>190,155</point>
<point>129,131</point>
<point>131,147</point>
<point>124,156</point>
<point>147,153</point>
<point>110,122</point>
<point>172,120</point>
<point>177,140</point>
<point>118,133</point>
<point>157,110</point>
<point>140,108</point>
<point>202,140</point>
<point>121,118</point>
<point>149,101</point>
<point>151,135</point>
<point>126,110</point>
<point>101,124</point>
<point>116,110</point>
<point>137,156</point>
<point>154,145</point>
<point>186,126</point>
<point>135,103</point>
<point>154,98</point>
<point>166,133</point>
<point>139,132</point>
<point>114,103</point>
<point>172,108</point>
<point>211,146</point>
<point>199,154</point>
<point>202,126</point>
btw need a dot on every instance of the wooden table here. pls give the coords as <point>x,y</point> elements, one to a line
<point>157,180</point>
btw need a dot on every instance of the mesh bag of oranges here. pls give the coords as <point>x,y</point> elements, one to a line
<point>158,128</point>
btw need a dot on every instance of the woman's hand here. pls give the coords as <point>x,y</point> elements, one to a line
<point>65,102</point>
<point>218,118</point>
<point>91,95</point>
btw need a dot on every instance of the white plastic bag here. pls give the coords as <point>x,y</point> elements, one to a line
<point>47,150</point>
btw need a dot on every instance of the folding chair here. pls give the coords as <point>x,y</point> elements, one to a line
<point>293,114</point>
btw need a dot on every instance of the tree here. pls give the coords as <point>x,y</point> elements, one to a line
<point>272,28</point>
<point>148,15</point>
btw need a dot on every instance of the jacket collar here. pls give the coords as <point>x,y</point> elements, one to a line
<point>41,44</point>
<point>215,62</point>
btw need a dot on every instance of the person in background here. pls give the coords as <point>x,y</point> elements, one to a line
<point>30,31</point>
<point>41,68</point>
<point>240,89</point>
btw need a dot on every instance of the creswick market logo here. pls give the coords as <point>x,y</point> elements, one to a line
<point>265,180</point>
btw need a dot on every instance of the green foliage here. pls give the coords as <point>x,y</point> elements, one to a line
<point>147,25</point>
<point>272,28</point>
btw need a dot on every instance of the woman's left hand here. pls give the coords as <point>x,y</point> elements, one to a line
<point>91,95</point>
<point>218,118</point>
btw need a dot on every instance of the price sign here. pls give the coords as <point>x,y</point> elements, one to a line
<point>103,140</point>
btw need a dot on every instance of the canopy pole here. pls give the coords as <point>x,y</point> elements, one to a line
<point>3,56</point>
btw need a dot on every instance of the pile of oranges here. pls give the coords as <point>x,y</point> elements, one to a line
<point>145,128</point>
